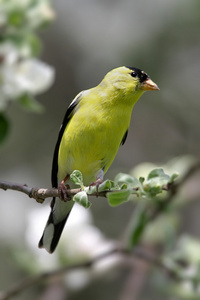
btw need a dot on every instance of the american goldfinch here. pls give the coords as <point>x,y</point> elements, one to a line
<point>95,125</point>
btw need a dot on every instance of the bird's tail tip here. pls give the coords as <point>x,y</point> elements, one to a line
<point>51,234</point>
<point>47,239</point>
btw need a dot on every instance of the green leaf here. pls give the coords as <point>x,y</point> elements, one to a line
<point>139,221</point>
<point>153,190</point>
<point>119,197</point>
<point>82,199</point>
<point>4,127</point>
<point>77,178</point>
<point>91,189</point>
<point>155,180</point>
<point>30,104</point>
<point>131,181</point>
<point>173,177</point>
<point>158,173</point>
<point>124,186</point>
<point>141,180</point>
<point>106,185</point>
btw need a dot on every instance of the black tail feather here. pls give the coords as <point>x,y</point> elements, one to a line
<point>56,233</point>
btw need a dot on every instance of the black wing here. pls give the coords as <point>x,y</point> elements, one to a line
<point>124,137</point>
<point>67,117</point>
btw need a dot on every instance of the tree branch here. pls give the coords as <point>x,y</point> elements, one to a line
<point>40,194</point>
<point>173,190</point>
<point>138,252</point>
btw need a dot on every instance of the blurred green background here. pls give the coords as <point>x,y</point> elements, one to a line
<point>86,40</point>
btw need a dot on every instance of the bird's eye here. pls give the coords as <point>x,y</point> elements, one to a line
<point>133,74</point>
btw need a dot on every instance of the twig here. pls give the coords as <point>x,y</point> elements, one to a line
<point>193,169</point>
<point>40,194</point>
<point>173,188</point>
<point>138,252</point>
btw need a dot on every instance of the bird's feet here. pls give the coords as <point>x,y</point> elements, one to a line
<point>96,183</point>
<point>63,190</point>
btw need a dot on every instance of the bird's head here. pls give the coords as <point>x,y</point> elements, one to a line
<point>129,80</point>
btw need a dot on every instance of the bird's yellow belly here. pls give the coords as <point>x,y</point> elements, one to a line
<point>89,147</point>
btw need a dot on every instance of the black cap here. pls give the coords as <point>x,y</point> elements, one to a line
<point>138,73</point>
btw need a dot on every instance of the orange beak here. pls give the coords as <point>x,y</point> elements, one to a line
<point>149,85</point>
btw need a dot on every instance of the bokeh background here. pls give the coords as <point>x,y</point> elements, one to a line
<point>86,40</point>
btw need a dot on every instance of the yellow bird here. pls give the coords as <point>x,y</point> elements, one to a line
<point>95,125</point>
